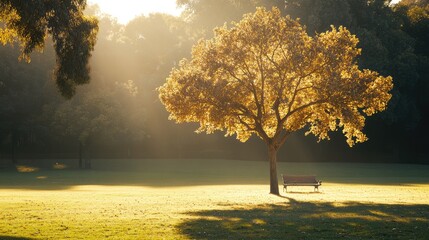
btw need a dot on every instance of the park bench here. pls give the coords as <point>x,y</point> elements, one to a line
<point>289,180</point>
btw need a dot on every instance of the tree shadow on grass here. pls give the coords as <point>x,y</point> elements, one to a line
<point>306,220</point>
<point>66,179</point>
<point>48,175</point>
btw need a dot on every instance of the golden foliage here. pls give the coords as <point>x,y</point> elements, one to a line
<point>7,35</point>
<point>266,76</point>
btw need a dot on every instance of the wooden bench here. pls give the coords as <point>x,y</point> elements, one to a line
<point>289,180</point>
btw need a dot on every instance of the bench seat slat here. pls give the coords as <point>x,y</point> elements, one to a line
<point>302,184</point>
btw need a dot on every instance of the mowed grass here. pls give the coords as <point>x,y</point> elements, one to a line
<point>214,199</point>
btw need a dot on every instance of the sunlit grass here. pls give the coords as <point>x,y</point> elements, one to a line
<point>24,169</point>
<point>130,205</point>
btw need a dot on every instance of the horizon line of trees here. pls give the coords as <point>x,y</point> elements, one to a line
<point>119,114</point>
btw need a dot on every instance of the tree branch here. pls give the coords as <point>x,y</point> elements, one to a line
<point>306,106</point>
<point>249,128</point>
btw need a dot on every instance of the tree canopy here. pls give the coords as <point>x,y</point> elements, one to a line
<point>393,39</point>
<point>73,34</point>
<point>266,76</point>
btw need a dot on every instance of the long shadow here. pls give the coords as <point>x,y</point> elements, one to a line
<point>193,172</point>
<point>65,179</point>
<point>306,220</point>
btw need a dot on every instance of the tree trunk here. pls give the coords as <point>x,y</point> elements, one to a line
<point>272,157</point>
<point>80,155</point>
<point>14,162</point>
<point>14,144</point>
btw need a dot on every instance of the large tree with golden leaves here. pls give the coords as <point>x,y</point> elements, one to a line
<point>266,76</point>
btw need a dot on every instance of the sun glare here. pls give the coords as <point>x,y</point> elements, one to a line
<point>126,10</point>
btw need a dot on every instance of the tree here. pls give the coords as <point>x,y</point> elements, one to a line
<point>204,15</point>
<point>415,22</point>
<point>318,15</point>
<point>73,34</point>
<point>108,114</point>
<point>207,14</point>
<point>20,100</point>
<point>266,76</point>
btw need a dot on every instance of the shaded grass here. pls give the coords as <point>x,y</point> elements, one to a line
<point>200,172</point>
<point>308,220</point>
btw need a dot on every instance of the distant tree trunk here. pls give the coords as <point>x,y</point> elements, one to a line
<point>272,157</point>
<point>13,154</point>
<point>87,157</point>
<point>14,144</point>
<point>80,155</point>
<point>87,153</point>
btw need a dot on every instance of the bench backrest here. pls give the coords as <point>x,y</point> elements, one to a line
<point>299,179</point>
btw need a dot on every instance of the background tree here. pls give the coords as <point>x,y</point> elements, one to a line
<point>21,100</point>
<point>73,34</point>
<point>266,76</point>
<point>108,114</point>
<point>415,22</point>
<point>204,15</point>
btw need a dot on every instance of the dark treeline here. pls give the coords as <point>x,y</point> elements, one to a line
<point>118,115</point>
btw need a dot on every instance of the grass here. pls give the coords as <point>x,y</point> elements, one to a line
<point>214,199</point>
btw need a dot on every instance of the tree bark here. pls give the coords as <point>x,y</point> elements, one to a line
<point>14,162</point>
<point>272,157</point>
<point>14,144</point>
<point>80,155</point>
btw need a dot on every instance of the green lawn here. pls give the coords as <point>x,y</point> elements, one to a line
<point>214,199</point>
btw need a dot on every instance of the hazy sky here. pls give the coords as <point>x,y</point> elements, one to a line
<point>125,10</point>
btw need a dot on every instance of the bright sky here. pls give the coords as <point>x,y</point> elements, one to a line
<point>126,10</point>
